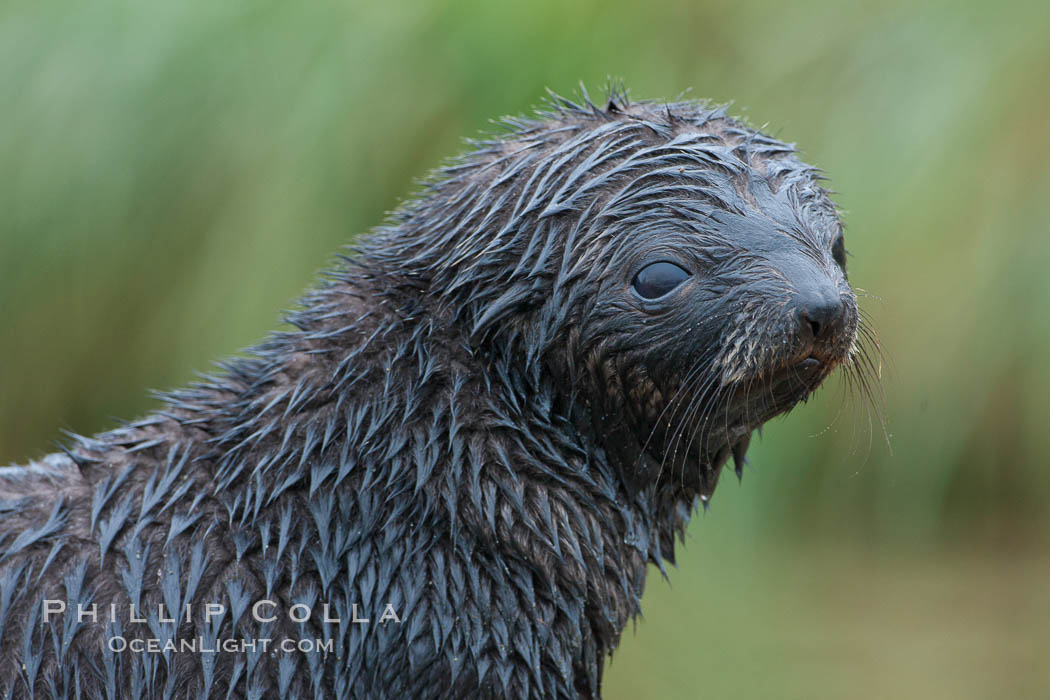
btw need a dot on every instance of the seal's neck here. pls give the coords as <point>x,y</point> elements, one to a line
<point>371,396</point>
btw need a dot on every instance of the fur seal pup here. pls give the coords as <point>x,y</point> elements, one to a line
<point>449,478</point>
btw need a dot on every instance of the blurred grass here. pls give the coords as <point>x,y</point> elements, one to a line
<point>748,614</point>
<point>172,174</point>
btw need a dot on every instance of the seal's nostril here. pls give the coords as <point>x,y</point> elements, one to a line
<point>814,327</point>
<point>818,317</point>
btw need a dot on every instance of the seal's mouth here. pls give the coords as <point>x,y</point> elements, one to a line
<point>746,402</point>
<point>760,398</point>
<point>809,371</point>
<point>809,363</point>
<point>799,379</point>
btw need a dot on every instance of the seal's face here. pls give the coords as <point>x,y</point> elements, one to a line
<point>665,275</point>
<point>744,328</point>
<point>722,301</point>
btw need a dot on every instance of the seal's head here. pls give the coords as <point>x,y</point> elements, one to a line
<point>672,277</point>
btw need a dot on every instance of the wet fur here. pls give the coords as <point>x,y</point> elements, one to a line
<point>469,421</point>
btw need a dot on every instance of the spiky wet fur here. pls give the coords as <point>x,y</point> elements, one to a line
<point>461,425</point>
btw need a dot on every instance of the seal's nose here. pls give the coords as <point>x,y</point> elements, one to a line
<point>820,314</point>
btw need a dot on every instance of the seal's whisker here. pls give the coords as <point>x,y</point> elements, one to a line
<point>697,367</point>
<point>701,403</point>
<point>697,398</point>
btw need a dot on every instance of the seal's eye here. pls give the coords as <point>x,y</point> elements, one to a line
<point>838,251</point>
<point>660,278</point>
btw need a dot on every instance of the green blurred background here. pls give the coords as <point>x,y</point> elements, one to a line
<point>174,173</point>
